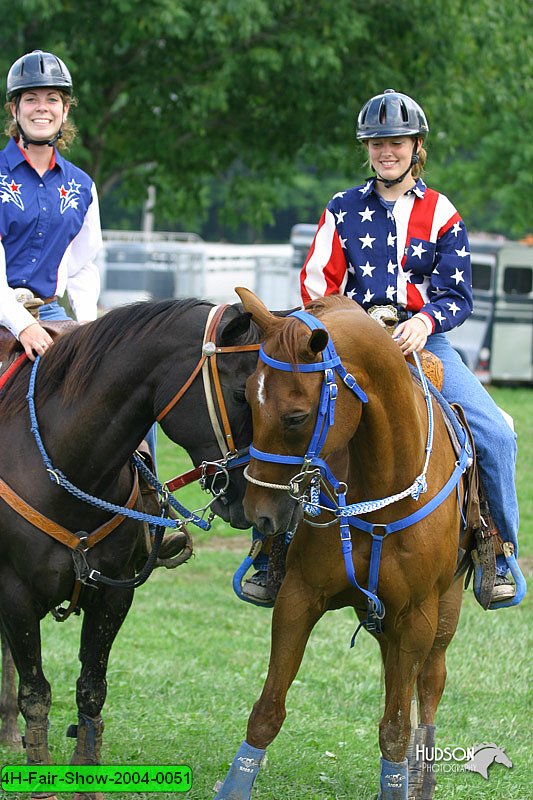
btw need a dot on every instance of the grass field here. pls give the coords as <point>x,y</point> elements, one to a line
<point>191,660</point>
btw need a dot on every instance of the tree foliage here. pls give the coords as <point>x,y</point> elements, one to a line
<point>251,104</point>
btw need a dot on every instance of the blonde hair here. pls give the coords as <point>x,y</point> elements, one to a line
<point>68,127</point>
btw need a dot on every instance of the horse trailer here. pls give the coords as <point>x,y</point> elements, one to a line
<point>496,341</point>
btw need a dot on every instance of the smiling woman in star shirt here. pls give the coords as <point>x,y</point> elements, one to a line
<point>49,218</point>
<point>394,241</point>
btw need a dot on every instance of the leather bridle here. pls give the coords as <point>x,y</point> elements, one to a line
<point>207,364</point>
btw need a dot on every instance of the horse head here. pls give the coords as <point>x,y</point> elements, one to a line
<point>285,404</point>
<point>485,755</point>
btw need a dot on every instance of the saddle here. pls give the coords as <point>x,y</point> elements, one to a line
<point>11,348</point>
<point>480,542</point>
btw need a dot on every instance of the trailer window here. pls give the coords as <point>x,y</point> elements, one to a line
<point>518,280</point>
<point>481,276</point>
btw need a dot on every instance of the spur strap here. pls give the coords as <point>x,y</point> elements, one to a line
<point>58,532</point>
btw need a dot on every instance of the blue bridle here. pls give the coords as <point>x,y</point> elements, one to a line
<point>349,515</point>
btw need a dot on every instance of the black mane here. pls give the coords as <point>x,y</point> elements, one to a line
<point>74,358</point>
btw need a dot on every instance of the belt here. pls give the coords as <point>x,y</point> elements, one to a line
<point>47,300</point>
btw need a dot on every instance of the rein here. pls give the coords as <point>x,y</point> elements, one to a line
<point>318,469</point>
<point>79,543</point>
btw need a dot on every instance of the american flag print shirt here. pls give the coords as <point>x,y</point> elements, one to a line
<point>415,257</point>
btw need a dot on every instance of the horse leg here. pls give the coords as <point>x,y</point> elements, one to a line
<point>9,733</point>
<point>406,650</point>
<point>430,684</point>
<point>101,623</point>
<point>297,610</point>
<point>21,626</point>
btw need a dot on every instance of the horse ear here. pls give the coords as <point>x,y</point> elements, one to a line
<point>260,313</point>
<point>235,328</point>
<point>317,341</point>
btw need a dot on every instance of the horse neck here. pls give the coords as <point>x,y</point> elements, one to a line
<point>117,410</point>
<point>387,450</point>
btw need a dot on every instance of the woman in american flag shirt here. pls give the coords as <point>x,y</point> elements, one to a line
<point>394,241</point>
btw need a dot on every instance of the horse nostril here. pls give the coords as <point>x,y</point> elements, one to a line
<point>265,526</point>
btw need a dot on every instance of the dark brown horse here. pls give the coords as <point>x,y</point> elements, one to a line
<point>97,392</point>
<point>373,449</point>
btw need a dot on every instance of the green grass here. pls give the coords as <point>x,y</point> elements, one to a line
<point>191,659</point>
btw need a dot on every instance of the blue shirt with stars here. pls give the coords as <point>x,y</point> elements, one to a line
<point>414,256</point>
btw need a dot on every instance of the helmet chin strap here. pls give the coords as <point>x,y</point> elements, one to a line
<point>415,158</point>
<point>26,141</point>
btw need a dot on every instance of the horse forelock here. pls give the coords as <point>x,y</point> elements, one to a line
<point>285,341</point>
<point>70,365</point>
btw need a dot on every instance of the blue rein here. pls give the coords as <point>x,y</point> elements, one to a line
<point>349,515</point>
<point>58,477</point>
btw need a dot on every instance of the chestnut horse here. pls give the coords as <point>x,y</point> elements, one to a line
<point>374,446</point>
<point>97,392</point>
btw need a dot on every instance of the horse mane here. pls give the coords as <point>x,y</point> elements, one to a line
<point>76,355</point>
<point>287,336</point>
<point>322,305</point>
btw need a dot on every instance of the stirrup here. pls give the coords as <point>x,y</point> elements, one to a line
<point>245,567</point>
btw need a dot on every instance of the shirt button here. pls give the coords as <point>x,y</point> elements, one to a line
<point>44,208</point>
<point>40,234</point>
<point>33,260</point>
<point>41,185</point>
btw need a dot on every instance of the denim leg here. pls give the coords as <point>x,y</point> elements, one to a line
<point>151,441</point>
<point>52,312</point>
<point>495,441</point>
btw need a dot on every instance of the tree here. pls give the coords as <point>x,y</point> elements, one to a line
<point>252,103</point>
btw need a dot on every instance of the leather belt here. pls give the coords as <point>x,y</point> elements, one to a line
<point>47,300</point>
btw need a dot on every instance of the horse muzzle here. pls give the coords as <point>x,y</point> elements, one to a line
<point>270,512</point>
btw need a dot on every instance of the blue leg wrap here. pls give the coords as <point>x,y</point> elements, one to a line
<point>393,780</point>
<point>242,774</point>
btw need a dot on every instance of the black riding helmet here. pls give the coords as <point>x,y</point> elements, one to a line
<point>37,70</point>
<point>391,114</point>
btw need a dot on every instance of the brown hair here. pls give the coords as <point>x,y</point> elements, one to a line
<point>69,128</point>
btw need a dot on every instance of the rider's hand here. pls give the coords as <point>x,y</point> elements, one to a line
<point>35,340</point>
<point>411,335</point>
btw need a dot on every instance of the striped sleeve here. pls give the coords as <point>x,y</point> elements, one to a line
<point>324,271</point>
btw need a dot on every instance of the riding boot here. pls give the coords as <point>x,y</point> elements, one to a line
<point>255,587</point>
<point>173,543</point>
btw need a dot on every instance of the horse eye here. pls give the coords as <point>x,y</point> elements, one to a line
<point>239,395</point>
<point>292,422</point>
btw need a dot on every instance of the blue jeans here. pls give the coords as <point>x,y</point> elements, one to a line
<point>52,312</point>
<point>495,441</point>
